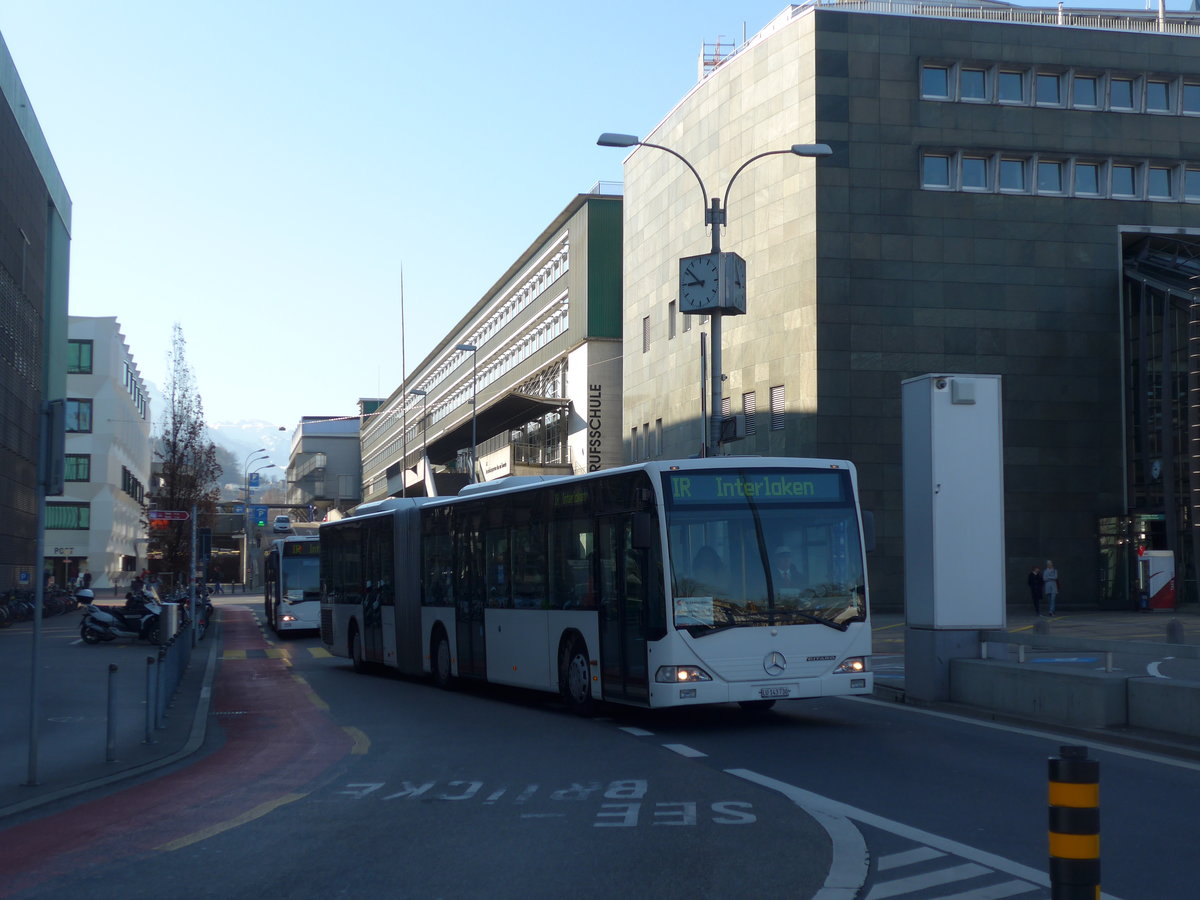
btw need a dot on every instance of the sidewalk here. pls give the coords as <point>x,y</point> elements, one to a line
<point>72,740</point>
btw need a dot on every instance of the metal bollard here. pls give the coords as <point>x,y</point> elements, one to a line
<point>1074,797</point>
<point>151,700</point>
<point>110,743</point>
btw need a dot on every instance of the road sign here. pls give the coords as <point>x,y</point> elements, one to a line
<point>172,515</point>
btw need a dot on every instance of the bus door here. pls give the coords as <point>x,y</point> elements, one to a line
<point>624,580</point>
<point>469,597</point>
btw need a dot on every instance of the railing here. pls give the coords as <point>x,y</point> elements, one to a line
<point>1175,22</point>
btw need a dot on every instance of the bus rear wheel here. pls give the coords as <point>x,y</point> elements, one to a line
<point>575,678</point>
<point>356,653</point>
<point>442,672</point>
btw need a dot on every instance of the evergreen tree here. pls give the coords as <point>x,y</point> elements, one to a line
<point>188,468</point>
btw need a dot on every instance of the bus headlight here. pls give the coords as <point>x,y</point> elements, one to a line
<point>679,674</point>
<point>287,618</point>
<point>851,666</point>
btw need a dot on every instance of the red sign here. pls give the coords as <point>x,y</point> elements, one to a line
<point>174,515</point>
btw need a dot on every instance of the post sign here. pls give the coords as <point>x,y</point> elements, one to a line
<point>171,515</point>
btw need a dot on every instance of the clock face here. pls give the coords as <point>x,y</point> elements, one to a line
<point>698,283</point>
<point>733,295</point>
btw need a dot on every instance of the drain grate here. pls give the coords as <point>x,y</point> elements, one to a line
<point>240,712</point>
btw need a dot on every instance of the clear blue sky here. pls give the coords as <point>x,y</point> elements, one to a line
<point>261,170</point>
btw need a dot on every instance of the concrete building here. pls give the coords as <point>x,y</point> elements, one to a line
<point>1012,192</point>
<point>324,468</point>
<point>35,235</point>
<point>98,524</point>
<point>528,382</point>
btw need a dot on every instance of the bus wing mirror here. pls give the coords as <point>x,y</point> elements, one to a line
<point>642,537</point>
<point>868,521</point>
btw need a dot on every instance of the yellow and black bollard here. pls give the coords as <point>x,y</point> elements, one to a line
<point>1074,825</point>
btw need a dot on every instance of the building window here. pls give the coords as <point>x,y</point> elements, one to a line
<point>645,334</point>
<point>778,407</point>
<point>972,84</point>
<point>935,171</point>
<point>79,416</point>
<point>749,408</point>
<point>1087,90</point>
<point>1049,89</point>
<point>1191,184</point>
<point>671,321</point>
<point>1010,87</point>
<point>1087,178</point>
<point>78,467</point>
<point>1158,96</point>
<point>658,437</point>
<point>1012,175</point>
<point>68,516</point>
<point>935,82</point>
<point>975,173</point>
<point>633,441</point>
<point>1191,98</point>
<point>725,408</point>
<point>1120,93</point>
<point>1158,183</point>
<point>79,357</point>
<point>1124,182</point>
<point>1050,176</point>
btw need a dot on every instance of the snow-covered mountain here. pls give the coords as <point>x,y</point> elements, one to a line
<point>242,438</point>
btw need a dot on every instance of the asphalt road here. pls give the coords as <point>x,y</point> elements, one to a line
<point>315,781</point>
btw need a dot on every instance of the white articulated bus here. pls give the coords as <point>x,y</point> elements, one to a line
<point>292,592</point>
<point>658,584</point>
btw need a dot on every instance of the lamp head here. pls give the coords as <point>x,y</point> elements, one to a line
<point>469,348</point>
<point>812,149</point>
<point>611,139</point>
<point>417,392</point>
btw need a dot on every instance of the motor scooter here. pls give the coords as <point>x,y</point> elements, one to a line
<point>138,619</point>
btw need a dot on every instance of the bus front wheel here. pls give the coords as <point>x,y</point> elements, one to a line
<point>442,673</point>
<point>575,678</point>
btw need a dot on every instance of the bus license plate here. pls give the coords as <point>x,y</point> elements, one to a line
<point>774,692</point>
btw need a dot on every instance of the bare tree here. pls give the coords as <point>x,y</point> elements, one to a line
<point>188,468</point>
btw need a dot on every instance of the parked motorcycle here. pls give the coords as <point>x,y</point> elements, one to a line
<point>139,618</point>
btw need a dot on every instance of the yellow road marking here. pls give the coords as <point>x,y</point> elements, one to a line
<point>886,627</point>
<point>233,654</point>
<point>320,653</point>
<point>258,812</point>
<point>277,653</point>
<point>362,743</point>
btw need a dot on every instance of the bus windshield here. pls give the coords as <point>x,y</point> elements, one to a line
<point>763,547</point>
<point>301,576</point>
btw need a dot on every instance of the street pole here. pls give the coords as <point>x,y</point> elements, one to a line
<point>474,351</point>
<point>714,216</point>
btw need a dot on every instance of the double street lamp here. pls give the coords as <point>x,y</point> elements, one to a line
<point>717,281</point>
<point>474,351</point>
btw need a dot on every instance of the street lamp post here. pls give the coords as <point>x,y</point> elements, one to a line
<point>246,511</point>
<point>424,395</point>
<point>714,215</point>
<point>474,351</point>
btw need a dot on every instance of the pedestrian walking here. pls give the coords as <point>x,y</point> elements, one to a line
<point>1050,586</point>
<point>1036,589</point>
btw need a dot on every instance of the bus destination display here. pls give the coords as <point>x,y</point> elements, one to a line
<point>302,548</point>
<point>760,487</point>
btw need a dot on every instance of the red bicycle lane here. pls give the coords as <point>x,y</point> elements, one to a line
<point>277,740</point>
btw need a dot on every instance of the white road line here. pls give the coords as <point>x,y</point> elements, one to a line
<point>636,732</point>
<point>1096,741</point>
<point>811,802</point>
<point>684,750</point>
<point>1152,668</point>
<point>936,878</point>
<point>907,858</point>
